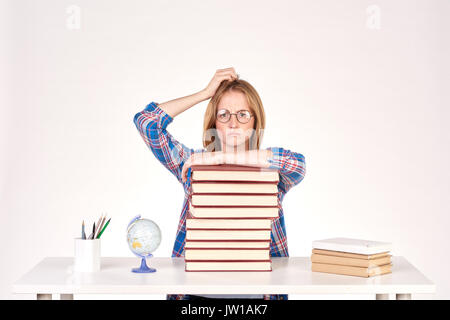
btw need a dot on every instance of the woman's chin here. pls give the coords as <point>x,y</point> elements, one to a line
<point>234,146</point>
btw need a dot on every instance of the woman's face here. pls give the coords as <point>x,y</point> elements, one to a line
<point>233,134</point>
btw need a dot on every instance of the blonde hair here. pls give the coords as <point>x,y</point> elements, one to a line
<point>256,107</point>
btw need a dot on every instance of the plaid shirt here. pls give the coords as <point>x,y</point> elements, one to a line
<point>152,122</point>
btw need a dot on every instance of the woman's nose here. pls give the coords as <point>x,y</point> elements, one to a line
<point>234,123</point>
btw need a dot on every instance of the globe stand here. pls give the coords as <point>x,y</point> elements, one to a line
<point>144,268</point>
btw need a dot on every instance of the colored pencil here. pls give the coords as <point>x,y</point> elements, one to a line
<point>91,236</point>
<point>83,234</point>
<point>100,227</point>
<point>98,237</point>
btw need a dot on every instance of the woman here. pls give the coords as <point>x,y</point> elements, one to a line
<point>233,125</point>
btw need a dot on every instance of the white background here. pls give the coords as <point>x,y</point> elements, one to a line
<point>368,107</point>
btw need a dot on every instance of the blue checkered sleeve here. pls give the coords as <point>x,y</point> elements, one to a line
<point>290,165</point>
<point>151,124</point>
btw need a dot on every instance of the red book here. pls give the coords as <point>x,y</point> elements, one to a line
<point>231,172</point>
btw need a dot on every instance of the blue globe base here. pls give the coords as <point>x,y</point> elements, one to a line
<point>143,268</point>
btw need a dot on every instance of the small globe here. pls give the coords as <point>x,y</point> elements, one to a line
<point>143,237</point>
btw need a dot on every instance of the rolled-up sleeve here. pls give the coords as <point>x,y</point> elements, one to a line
<point>151,124</point>
<point>290,165</point>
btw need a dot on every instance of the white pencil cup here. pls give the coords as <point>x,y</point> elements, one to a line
<point>87,255</point>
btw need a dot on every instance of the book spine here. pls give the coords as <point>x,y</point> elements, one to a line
<point>241,246</point>
<point>234,182</point>
<point>237,270</point>
<point>351,248</point>
<point>228,261</point>
<point>234,194</point>
<point>234,248</point>
<point>350,270</point>
<point>232,218</point>
<point>230,229</point>
<point>319,258</point>
<point>232,206</point>
<point>228,270</point>
<point>228,234</point>
<point>350,255</point>
<point>229,167</point>
<point>224,254</point>
<point>227,240</point>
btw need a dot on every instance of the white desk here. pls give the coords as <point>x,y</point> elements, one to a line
<point>291,275</point>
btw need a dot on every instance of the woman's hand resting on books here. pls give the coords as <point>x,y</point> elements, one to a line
<point>257,158</point>
<point>202,158</point>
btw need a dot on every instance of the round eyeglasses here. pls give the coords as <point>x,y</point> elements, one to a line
<point>243,116</point>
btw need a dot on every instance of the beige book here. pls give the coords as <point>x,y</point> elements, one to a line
<point>320,258</point>
<point>228,223</point>
<point>234,212</point>
<point>216,187</point>
<point>359,246</point>
<point>227,254</point>
<point>197,234</point>
<point>234,200</point>
<point>350,270</point>
<point>351,255</point>
<point>234,176</point>
<point>227,244</point>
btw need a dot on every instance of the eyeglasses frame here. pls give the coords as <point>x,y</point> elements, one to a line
<point>251,115</point>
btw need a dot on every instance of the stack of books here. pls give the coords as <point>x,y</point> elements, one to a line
<point>353,257</point>
<point>231,208</point>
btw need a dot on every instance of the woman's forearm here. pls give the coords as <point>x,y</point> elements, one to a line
<point>179,105</point>
<point>250,158</point>
<point>256,158</point>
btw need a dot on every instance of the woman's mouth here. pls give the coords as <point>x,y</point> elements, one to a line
<point>233,133</point>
